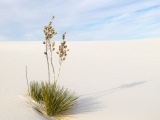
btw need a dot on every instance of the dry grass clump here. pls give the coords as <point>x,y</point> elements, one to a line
<point>51,98</point>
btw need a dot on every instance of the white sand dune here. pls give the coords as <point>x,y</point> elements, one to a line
<point>116,80</point>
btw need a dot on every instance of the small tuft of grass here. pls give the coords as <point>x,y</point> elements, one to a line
<point>54,98</point>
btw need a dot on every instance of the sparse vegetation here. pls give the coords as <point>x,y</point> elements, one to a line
<point>53,98</point>
<point>50,98</point>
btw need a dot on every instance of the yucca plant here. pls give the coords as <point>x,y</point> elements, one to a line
<point>54,98</point>
<point>50,98</point>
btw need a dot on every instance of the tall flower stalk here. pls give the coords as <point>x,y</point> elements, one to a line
<point>50,48</point>
<point>62,52</point>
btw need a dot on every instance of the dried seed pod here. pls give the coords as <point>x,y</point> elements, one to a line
<point>50,36</point>
<point>65,46</point>
<point>64,42</point>
<point>45,27</point>
<point>53,43</point>
<point>52,31</point>
<point>57,52</point>
<point>52,17</point>
<point>64,59</point>
<point>53,49</point>
<point>50,23</point>
<point>49,27</point>
<point>63,36</point>
<point>45,53</point>
<point>44,42</point>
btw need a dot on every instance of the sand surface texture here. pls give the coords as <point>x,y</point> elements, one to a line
<point>115,80</point>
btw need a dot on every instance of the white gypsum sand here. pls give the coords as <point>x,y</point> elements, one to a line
<point>115,80</point>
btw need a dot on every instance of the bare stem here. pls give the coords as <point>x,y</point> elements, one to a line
<point>52,64</point>
<point>27,81</point>
<point>48,64</point>
<point>58,72</point>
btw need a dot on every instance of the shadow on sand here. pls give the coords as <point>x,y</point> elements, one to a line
<point>89,102</point>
